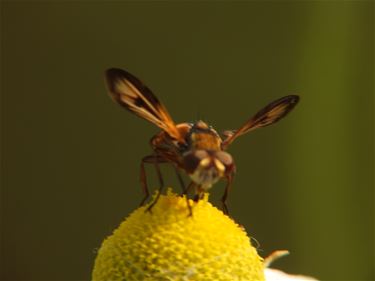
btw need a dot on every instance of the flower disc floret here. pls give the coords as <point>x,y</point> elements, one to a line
<point>167,244</point>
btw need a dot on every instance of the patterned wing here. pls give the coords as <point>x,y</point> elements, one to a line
<point>131,93</point>
<point>270,114</point>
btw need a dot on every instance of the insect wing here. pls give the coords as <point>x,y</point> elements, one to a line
<point>131,93</point>
<point>265,117</point>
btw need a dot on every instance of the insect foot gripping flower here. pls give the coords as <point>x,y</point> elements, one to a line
<point>167,244</point>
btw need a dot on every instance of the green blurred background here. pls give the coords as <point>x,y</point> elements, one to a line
<point>70,156</point>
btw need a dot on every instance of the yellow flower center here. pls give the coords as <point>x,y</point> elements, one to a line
<point>167,244</point>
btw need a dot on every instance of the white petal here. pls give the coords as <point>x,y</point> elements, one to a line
<point>278,275</point>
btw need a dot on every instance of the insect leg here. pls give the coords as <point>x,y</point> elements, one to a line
<point>199,195</point>
<point>150,159</point>
<point>225,195</point>
<point>156,162</point>
<point>186,191</point>
<point>180,180</point>
<point>143,180</point>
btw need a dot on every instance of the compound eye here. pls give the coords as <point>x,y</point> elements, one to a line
<point>193,158</point>
<point>224,158</point>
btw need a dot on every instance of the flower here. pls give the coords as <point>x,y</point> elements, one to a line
<point>168,244</point>
<point>277,275</point>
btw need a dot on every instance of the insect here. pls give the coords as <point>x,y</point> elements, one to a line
<point>194,148</point>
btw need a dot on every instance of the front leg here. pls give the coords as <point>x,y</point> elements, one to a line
<point>229,179</point>
<point>191,186</point>
<point>199,193</point>
<point>151,159</point>
<point>180,179</point>
<point>161,184</point>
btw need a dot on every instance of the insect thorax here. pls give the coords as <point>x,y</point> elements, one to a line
<point>201,136</point>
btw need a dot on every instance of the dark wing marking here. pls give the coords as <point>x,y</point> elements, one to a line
<point>270,114</point>
<point>131,93</point>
